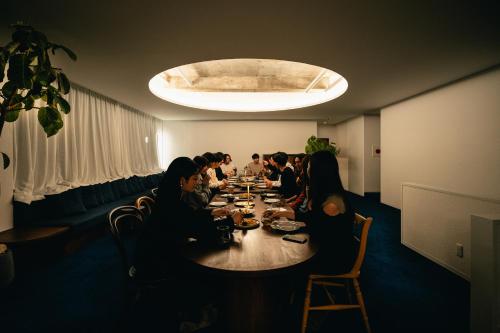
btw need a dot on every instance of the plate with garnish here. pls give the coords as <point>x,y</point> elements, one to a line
<point>217,204</point>
<point>287,226</point>
<point>271,200</point>
<point>244,204</point>
<point>247,223</point>
<point>247,212</point>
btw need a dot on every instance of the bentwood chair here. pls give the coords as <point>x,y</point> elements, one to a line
<point>349,278</point>
<point>145,204</point>
<point>154,192</point>
<point>125,223</point>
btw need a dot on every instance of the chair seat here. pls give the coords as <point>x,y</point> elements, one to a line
<point>351,279</point>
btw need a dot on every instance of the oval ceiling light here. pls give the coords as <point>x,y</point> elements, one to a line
<point>248,85</point>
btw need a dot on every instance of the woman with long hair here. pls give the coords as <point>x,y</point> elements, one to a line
<point>172,221</point>
<point>329,216</point>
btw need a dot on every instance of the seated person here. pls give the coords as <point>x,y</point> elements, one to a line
<point>218,170</point>
<point>329,216</point>
<point>255,168</point>
<point>297,164</point>
<point>215,184</point>
<point>172,221</point>
<point>228,168</point>
<point>271,172</point>
<point>288,184</point>
<point>200,197</point>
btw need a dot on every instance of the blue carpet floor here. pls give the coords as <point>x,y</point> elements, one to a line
<point>404,292</point>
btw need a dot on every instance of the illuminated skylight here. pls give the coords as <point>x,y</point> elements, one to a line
<point>248,85</point>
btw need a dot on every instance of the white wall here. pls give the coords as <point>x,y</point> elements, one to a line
<point>6,180</point>
<point>448,138</point>
<point>355,129</point>
<point>371,163</point>
<point>355,137</point>
<point>238,138</point>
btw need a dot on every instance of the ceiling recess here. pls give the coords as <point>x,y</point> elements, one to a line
<point>248,85</point>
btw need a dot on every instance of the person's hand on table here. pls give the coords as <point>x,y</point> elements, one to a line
<point>269,183</point>
<point>271,214</point>
<point>224,184</point>
<point>221,212</point>
<point>237,217</point>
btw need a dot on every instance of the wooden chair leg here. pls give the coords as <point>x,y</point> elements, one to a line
<point>307,302</point>
<point>348,290</point>
<point>361,302</point>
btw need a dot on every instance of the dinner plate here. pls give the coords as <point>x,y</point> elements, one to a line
<point>244,211</point>
<point>271,200</point>
<point>245,195</point>
<point>248,178</point>
<point>244,204</point>
<point>287,226</point>
<point>227,195</point>
<point>261,185</point>
<point>247,223</point>
<point>277,209</point>
<point>269,195</point>
<point>245,184</point>
<point>217,203</point>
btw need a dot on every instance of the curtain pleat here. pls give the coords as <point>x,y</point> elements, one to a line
<point>100,141</point>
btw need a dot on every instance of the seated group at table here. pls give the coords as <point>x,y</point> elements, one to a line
<point>316,196</point>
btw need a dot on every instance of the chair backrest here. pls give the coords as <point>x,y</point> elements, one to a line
<point>145,204</point>
<point>365,223</point>
<point>124,220</point>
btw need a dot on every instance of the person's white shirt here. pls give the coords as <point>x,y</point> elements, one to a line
<point>214,182</point>
<point>227,168</point>
<point>288,164</point>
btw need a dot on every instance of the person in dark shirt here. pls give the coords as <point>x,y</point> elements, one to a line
<point>172,221</point>
<point>288,187</point>
<point>218,171</point>
<point>329,216</point>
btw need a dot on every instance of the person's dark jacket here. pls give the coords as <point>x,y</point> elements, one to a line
<point>168,226</point>
<point>220,175</point>
<point>288,186</point>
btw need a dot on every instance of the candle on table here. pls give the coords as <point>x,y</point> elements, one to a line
<point>248,195</point>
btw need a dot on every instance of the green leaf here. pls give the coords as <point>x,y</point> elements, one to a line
<point>70,53</point>
<point>63,105</point>
<point>6,161</point>
<point>11,47</point>
<point>12,116</point>
<point>9,89</point>
<point>36,89</point>
<point>63,83</point>
<point>28,102</point>
<point>45,78</point>
<point>19,71</point>
<point>39,39</point>
<point>21,36</point>
<point>50,119</point>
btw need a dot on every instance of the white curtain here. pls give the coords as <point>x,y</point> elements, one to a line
<point>101,140</point>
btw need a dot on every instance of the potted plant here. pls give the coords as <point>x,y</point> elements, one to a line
<point>315,144</point>
<point>31,82</point>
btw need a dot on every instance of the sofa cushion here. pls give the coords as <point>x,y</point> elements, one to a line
<point>89,196</point>
<point>25,214</point>
<point>132,185</point>
<point>107,194</point>
<point>120,188</point>
<point>64,204</point>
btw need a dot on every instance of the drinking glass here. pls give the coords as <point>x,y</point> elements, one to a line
<point>224,234</point>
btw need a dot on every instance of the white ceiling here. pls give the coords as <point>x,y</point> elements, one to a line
<point>387,50</point>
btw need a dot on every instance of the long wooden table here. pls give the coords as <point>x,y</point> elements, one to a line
<point>256,270</point>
